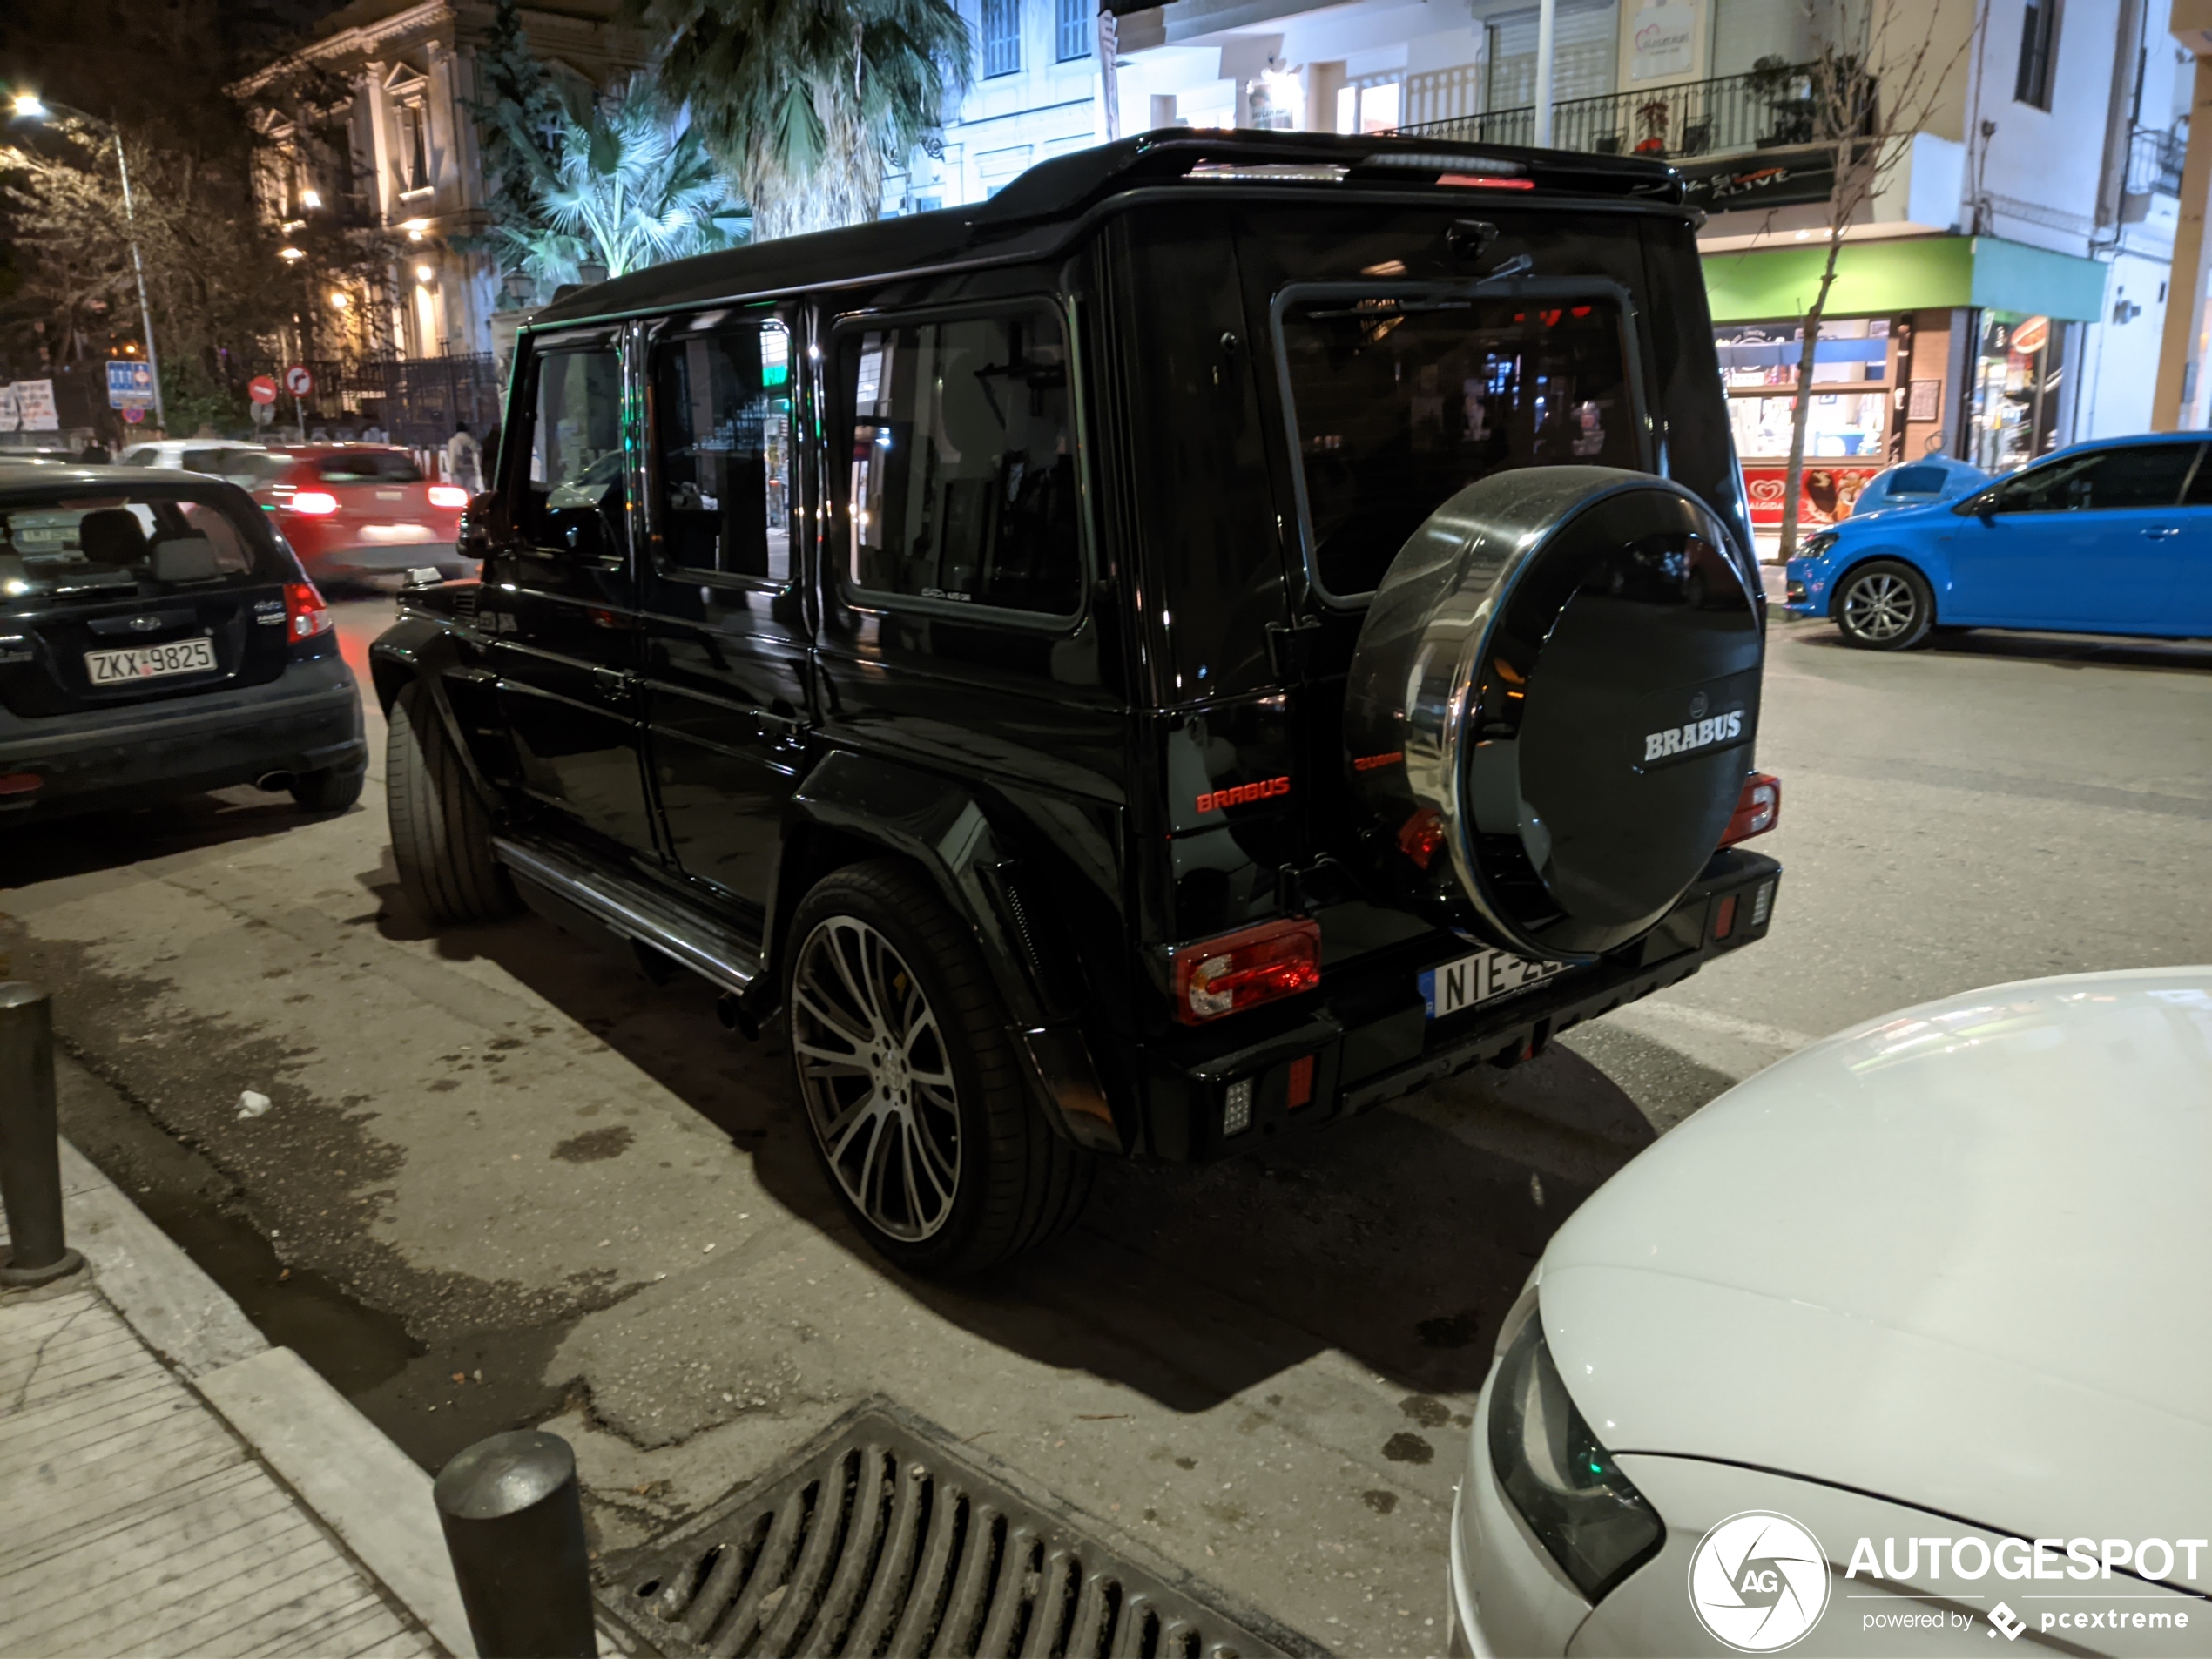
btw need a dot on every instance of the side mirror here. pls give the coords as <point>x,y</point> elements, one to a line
<point>484,525</point>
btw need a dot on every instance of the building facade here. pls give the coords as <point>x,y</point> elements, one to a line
<point>2001,293</point>
<point>372,137</point>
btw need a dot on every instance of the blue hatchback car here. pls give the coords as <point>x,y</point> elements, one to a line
<point>2108,537</point>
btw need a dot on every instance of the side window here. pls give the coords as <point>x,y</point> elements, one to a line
<point>963,473</point>
<point>575,496</point>
<point>722,436</point>
<point>2143,475</point>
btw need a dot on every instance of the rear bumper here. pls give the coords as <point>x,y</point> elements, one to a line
<point>334,553</point>
<point>308,719</point>
<point>1370,1040</point>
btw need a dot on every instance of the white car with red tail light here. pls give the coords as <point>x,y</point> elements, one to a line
<point>1899,1348</point>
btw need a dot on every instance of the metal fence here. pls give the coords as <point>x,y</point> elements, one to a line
<point>2154,163</point>
<point>416,400</point>
<point>1762,109</point>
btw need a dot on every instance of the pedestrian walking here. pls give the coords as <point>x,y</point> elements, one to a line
<point>465,459</point>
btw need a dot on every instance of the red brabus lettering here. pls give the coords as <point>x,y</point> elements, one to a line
<point>1243,794</point>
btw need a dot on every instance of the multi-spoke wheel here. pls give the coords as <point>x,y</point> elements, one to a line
<point>912,1090</point>
<point>878,1083</point>
<point>1885,605</point>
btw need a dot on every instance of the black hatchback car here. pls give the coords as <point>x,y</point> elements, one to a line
<point>1234,628</point>
<point>158,637</point>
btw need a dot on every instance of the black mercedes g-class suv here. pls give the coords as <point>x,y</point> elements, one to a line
<point>1233,629</point>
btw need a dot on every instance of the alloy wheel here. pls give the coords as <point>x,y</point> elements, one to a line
<point>1879,606</point>
<point>877,1077</point>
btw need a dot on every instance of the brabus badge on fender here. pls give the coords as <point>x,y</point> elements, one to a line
<point>1241,794</point>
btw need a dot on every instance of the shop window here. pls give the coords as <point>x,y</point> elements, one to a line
<point>2018,372</point>
<point>2039,53</point>
<point>722,448</point>
<point>962,487</point>
<point>1002,38</point>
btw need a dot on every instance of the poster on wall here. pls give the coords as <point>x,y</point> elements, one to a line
<point>1662,41</point>
<point>34,408</point>
<point>1827,492</point>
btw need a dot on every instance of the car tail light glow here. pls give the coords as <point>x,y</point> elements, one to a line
<point>449,496</point>
<point>315,503</point>
<point>1757,809</point>
<point>305,614</point>
<point>1242,969</point>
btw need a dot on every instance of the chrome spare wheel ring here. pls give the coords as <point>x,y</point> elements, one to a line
<point>877,1078</point>
<point>1879,606</point>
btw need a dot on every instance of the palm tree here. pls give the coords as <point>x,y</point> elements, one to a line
<point>624,188</point>
<point>806,101</point>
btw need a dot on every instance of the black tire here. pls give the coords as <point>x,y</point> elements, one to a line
<point>1014,1183</point>
<point>1883,604</point>
<point>330,790</point>
<point>441,829</point>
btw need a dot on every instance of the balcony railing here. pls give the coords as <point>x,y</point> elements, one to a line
<point>1762,109</point>
<point>2154,163</point>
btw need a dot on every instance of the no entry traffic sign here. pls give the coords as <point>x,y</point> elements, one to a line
<point>298,382</point>
<point>261,388</point>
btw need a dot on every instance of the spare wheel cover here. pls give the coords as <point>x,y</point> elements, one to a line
<point>1557,686</point>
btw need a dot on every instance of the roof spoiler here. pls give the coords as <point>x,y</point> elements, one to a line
<point>1071,183</point>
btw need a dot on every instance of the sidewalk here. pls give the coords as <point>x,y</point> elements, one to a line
<point>170,1484</point>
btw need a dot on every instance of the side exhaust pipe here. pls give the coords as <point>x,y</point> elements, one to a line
<point>276,782</point>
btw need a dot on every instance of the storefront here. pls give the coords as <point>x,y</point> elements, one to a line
<point>1948,344</point>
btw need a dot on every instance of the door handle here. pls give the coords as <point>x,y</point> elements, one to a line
<point>615,681</point>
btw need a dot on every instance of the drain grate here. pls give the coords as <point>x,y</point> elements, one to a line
<point>880,1540</point>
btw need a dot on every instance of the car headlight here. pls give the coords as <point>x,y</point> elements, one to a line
<point>1817,546</point>
<point>1583,1510</point>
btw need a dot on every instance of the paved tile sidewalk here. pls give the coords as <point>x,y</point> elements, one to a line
<point>134,1521</point>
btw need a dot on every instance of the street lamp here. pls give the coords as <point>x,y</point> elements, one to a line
<point>29,106</point>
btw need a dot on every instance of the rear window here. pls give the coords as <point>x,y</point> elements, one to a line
<point>136,540</point>
<point>368,466</point>
<point>1401,399</point>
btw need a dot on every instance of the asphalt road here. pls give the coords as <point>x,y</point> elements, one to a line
<point>507,1180</point>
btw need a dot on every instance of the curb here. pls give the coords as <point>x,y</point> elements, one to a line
<point>342,1469</point>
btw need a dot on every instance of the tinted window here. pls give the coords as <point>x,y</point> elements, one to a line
<point>128,541</point>
<point>577,491</point>
<point>1916,481</point>
<point>368,466</point>
<point>722,438</point>
<point>2144,474</point>
<point>1399,401</point>
<point>963,480</point>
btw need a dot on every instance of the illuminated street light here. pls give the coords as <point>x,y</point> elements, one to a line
<point>292,254</point>
<point>29,106</point>
<point>423,273</point>
<point>341,299</point>
<point>310,198</point>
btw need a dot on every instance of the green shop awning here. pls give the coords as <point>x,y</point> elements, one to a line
<point>1906,275</point>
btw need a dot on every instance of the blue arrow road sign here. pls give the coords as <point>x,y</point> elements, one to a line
<point>129,385</point>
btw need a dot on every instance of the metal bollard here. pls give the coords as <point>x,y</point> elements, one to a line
<point>514,1526</point>
<point>31,1167</point>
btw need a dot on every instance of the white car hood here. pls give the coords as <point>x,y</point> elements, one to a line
<point>1960,1257</point>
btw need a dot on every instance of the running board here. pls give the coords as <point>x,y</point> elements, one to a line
<point>635,909</point>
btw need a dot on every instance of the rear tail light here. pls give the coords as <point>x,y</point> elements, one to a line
<point>448,495</point>
<point>315,503</point>
<point>1758,809</point>
<point>1241,970</point>
<point>305,614</point>
<point>1724,917</point>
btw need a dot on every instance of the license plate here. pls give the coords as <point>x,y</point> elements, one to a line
<point>150,662</point>
<point>398,533</point>
<point>1478,978</point>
